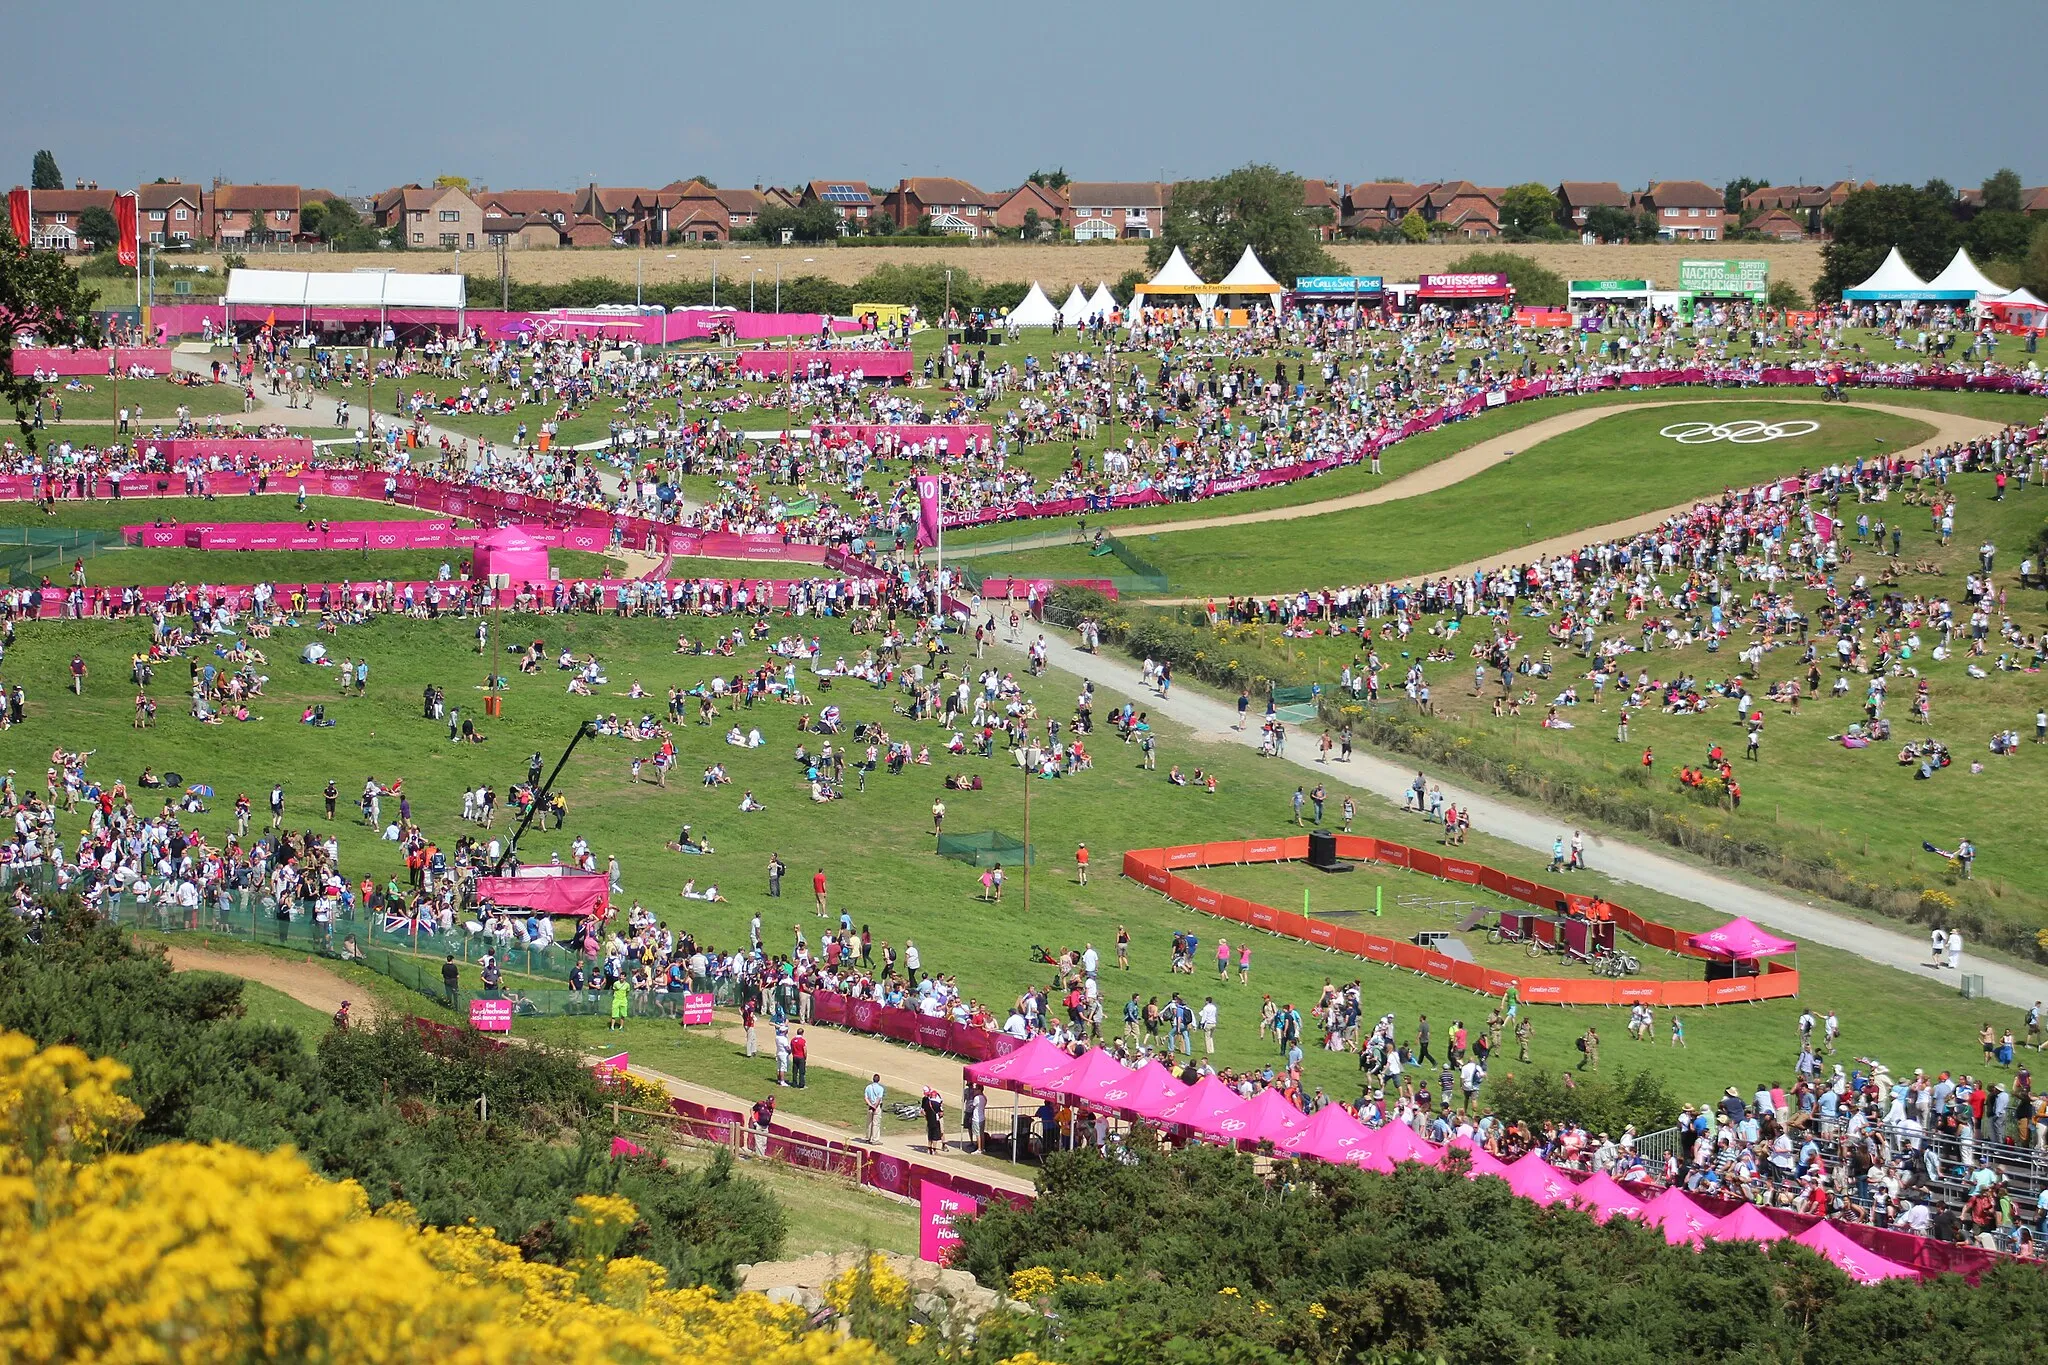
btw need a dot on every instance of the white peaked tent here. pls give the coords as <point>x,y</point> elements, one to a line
<point>1892,280</point>
<point>1175,277</point>
<point>1962,273</point>
<point>1074,311</point>
<point>1035,311</point>
<point>1101,303</point>
<point>1248,276</point>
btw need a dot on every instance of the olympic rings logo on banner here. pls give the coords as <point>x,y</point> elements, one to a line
<point>1748,432</point>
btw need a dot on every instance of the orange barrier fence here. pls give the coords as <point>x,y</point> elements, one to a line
<point>1160,869</point>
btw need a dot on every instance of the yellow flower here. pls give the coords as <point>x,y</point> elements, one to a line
<point>1031,1283</point>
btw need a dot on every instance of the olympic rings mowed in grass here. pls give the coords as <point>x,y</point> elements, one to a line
<point>1747,432</point>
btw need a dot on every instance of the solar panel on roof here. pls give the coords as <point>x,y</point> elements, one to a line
<point>843,194</point>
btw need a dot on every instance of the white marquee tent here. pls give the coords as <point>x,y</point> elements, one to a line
<point>1074,311</point>
<point>352,296</point>
<point>1035,311</point>
<point>1102,303</point>
<point>1962,273</point>
<point>1175,277</point>
<point>1248,276</point>
<point>1894,279</point>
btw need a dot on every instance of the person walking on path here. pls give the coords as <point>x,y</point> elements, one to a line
<point>1300,800</point>
<point>1205,1019</point>
<point>874,1094</point>
<point>1244,704</point>
<point>1422,1052</point>
<point>934,1106</point>
<point>1955,949</point>
<point>1222,958</point>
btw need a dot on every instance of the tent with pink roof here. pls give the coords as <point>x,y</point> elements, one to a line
<point>1092,1073</point>
<point>1268,1116</point>
<point>1013,1070</point>
<point>1741,940</point>
<point>1605,1196</point>
<point>1147,1093</point>
<point>1858,1263</point>
<point>1483,1161</point>
<point>1673,1213</point>
<point>1534,1178</point>
<point>1747,1224</point>
<point>1395,1143</point>
<point>1205,1103</point>
<point>1331,1134</point>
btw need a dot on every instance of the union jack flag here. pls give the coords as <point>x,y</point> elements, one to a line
<point>397,922</point>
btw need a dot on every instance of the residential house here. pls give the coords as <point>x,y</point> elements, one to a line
<point>1100,210</point>
<point>1463,208</point>
<point>1372,206</point>
<point>585,230</point>
<point>432,217</point>
<point>850,199</point>
<point>557,206</point>
<point>1580,197</point>
<point>743,207</point>
<point>1782,224</point>
<point>254,215</point>
<point>954,206</point>
<point>1685,210</point>
<point>168,213</point>
<point>1792,198</point>
<point>537,232</point>
<point>1321,198</point>
<point>2035,200</point>
<point>693,212</point>
<point>1030,197</point>
<point>633,214</point>
<point>54,215</point>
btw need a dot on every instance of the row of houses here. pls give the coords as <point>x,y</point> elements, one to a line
<point>443,217</point>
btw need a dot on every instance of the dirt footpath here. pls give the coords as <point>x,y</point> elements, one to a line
<point>307,982</point>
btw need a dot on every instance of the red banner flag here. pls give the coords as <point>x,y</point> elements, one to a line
<point>124,219</point>
<point>927,510</point>
<point>17,214</point>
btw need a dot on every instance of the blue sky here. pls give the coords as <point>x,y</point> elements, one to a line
<point>517,94</point>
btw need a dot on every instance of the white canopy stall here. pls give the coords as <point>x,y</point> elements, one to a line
<point>1101,303</point>
<point>1175,277</point>
<point>1249,276</point>
<point>1035,311</point>
<point>1962,273</point>
<point>1074,311</point>
<point>357,296</point>
<point>1893,279</point>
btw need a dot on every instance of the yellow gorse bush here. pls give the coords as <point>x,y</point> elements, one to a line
<point>198,1254</point>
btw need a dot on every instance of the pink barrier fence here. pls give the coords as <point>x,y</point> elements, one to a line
<point>871,364</point>
<point>291,535</point>
<point>65,361</point>
<point>653,329</point>
<point>952,438</point>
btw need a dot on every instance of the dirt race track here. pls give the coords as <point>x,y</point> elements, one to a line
<point>1054,266</point>
<point>306,981</point>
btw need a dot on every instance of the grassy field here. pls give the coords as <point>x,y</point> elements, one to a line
<point>111,514</point>
<point>1615,468</point>
<point>150,402</point>
<point>263,1004</point>
<point>874,845</point>
<point>136,566</point>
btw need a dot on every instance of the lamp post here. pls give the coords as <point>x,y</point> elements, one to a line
<point>778,287</point>
<point>945,319</point>
<point>750,287</point>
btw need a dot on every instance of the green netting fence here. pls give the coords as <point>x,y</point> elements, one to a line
<point>986,848</point>
<point>27,553</point>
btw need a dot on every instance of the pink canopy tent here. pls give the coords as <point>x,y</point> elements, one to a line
<point>1747,1224</point>
<point>510,551</point>
<point>1534,1178</point>
<point>1331,1134</point>
<point>1673,1213</point>
<point>1741,940</point>
<point>1150,1091</point>
<point>1268,1116</point>
<point>1605,1196</point>
<point>1395,1143</point>
<point>1204,1104</point>
<point>1012,1069</point>
<point>1858,1263</point>
<point>1483,1161</point>
<point>1092,1073</point>
<point>580,895</point>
